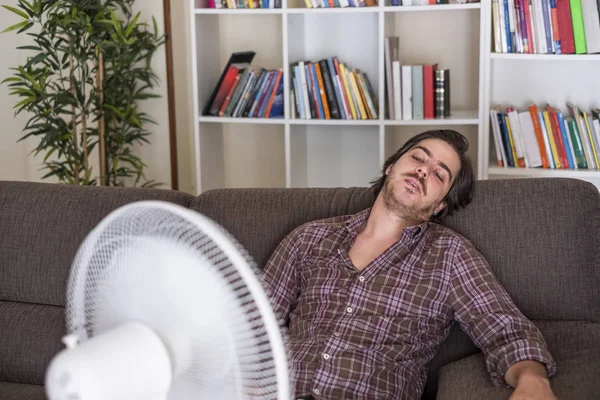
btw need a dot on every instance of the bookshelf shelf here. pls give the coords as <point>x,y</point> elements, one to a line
<point>545,57</point>
<point>241,120</point>
<point>336,10</point>
<point>457,118</point>
<point>237,11</point>
<point>433,8</point>
<point>335,122</point>
<point>543,172</point>
<point>296,152</point>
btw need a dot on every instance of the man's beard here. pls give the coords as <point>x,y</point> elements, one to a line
<point>413,213</point>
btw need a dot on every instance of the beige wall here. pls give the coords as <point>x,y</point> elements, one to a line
<point>17,164</point>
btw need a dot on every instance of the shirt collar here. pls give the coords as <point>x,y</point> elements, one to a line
<point>355,223</point>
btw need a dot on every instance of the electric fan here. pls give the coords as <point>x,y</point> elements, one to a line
<point>162,303</point>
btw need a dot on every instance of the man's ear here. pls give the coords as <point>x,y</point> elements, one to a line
<point>440,208</point>
<point>387,170</point>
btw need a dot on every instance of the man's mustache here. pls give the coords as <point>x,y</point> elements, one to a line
<point>421,181</point>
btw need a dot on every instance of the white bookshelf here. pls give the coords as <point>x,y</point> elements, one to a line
<point>520,80</point>
<point>288,152</point>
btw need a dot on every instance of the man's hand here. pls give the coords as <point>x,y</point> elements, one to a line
<point>530,380</point>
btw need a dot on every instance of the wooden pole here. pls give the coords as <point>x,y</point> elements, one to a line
<point>101,123</point>
<point>74,119</point>
<point>171,95</point>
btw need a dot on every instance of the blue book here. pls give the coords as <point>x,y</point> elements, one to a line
<point>277,106</point>
<point>566,141</point>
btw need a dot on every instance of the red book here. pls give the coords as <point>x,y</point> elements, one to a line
<point>530,46</point>
<point>429,91</point>
<point>565,26</point>
<point>236,80</point>
<point>228,81</point>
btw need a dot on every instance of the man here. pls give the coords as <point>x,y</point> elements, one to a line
<point>369,297</point>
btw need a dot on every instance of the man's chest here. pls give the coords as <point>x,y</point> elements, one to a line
<point>399,285</point>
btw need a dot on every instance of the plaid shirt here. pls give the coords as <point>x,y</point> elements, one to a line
<point>369,334</point>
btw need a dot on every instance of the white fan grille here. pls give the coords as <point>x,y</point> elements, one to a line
<point>184,276</point>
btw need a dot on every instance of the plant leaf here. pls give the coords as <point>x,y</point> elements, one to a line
<point>17,11</point>
<point>16,26</point>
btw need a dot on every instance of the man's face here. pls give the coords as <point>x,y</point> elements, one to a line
<point>418,182</point>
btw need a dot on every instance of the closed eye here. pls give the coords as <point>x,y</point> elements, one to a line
<point>417,158</point>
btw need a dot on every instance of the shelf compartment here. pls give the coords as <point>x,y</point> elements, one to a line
<point>314,37</point>
<point>221,35</point>
<point>441,49</point>
<point>333,156</point>
<point>235,155</point>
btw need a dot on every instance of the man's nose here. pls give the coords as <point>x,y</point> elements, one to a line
<point>422,171</point>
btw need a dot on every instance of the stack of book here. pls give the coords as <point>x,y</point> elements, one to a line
<point>339,3</point>
<point>544,137</point>
<point>546,26</point>
<point>244,91</point>
<point>329,89</point>
<point>231,4</point>
<point>414,91</point>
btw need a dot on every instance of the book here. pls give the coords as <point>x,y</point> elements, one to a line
<point>236,62</point>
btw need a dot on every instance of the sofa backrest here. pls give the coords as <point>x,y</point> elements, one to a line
<point>41,227</point>
<point>541,237</point>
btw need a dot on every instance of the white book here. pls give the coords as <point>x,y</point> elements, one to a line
<point>503,20</point>
<point>541,28</point>
<point>496,25</point>
<point>515,129</point>
<point>591,25</point>
<point>587,146</point>
<point>406,92</point>
<point>533,39</point>
<point>397,85</point>
<point>304,87</point>
<point>532,149</point>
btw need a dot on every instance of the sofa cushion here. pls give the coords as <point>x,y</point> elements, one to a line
<point>541,238</point>
<point>20,391</point>
<point>41,227</point>
<point>574,345</point>
<point>31,336</point>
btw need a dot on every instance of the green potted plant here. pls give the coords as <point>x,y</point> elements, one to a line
<point>89,69</point>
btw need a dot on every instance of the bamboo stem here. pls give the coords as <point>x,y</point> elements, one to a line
<point>74,118</point>
<point>101,122</point>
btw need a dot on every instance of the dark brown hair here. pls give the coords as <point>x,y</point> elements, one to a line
<point>461,191</point>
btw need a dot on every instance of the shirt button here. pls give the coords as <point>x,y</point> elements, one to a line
<point>326,356</point>
<point>337,334</point>
<point>349,309</point>
<point>361,278</point>
<point>317,391</point>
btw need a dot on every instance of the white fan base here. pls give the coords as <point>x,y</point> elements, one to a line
<point>129,362</point>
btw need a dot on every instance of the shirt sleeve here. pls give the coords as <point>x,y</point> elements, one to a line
<point>488,315</point>
<point>280,276</point>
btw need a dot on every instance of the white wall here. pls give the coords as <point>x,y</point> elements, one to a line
<point>16,164</point>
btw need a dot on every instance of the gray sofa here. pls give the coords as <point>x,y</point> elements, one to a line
<point>541,237</point>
